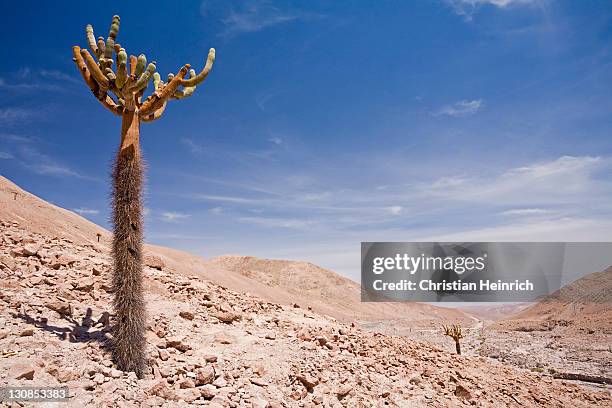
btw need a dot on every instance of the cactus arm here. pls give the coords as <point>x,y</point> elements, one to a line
<point>133,62</point>
<point>156,81</point>
<point>157,99</point>
<point>141,63</point>
<point>91,40</point>
<point>156,114</point>
<point>94,69</point>
<point>111,105</point>
<point>121,68</point>
<point>112,36</point>
<point>198,79</point>
<point>187,91</point>
<point>144,78</point>
<point>80,63</point>
<point>100,95</point>
<point>101,47</point>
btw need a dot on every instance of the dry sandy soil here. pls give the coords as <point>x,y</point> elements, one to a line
<point>210,343</point>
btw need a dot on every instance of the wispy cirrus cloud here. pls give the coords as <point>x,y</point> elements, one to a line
<point>274,222</point>
<point>249,17</point>
<point>30,157</point>
<point>461,108</point>
<point>526,211</point>
<point>86,211</point>
<point>170,216</point>
<point>11,115</point>
<point>192,146</point>
<point>6,156</point>
<point>467,8</point>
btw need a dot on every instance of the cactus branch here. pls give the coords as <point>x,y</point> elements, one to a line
<point>155,115</point>
<point>91,40</point>
<point>157,99</point>
<point>141,62</point>
<point>133,62</point>
<point>121,68</point>
<point>94,69</point>
<point>198,79</point>
<point>104,99</point>
<point>142,82</point>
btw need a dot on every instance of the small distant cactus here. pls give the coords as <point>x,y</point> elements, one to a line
<point>454,331</point>
<point>122,92</point>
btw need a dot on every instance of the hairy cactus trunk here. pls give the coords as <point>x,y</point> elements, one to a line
<point>458,347</point>
<point>129,306</point>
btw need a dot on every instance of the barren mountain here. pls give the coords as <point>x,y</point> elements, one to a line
<point>583,305</point>
<point>212,346</point>
<point>280,281</point>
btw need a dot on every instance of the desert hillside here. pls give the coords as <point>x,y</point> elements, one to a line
<point>279,281</point>
<point>212,346</point>
<point>584,305</point>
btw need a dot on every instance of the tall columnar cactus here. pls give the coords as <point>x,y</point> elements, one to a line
<point>454,332</point>
<point>121,90</point>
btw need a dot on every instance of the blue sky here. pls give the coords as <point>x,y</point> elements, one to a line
<point>324,124</point>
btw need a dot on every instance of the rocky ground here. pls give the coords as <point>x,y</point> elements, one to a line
<point>215,347</point>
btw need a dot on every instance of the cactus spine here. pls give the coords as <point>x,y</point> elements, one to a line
<point>121,92</point>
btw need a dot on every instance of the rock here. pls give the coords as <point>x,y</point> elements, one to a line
<point>222,338</point>
<point>415,379</point>
<point>208,391</point>
<point>63,260</point>
<point>220,382</point>
<point>271,336</point>
<point>322,340</point>
<point>3,334</point>
<point>259,403</point>
<point>163,354</point>
<point>462,392</point>
<point>187,383</point>
<point>308,380</point>
<point>162,389</point>
<point>30,249</point>
<point>258,381</point>
<point>177,342</point>
<point>343,391</point>
<point>97,270</point>
<point>205,375</point>
<point>155,262</point>
<point>227,317</point>
<point>189,395</point>
<point>186,314</point>
<point>210,358</point>
<point>22,371</point>
<point>27,332</point>
<point>85,284</point>
<point>114,373</point>
<point>7,262</point>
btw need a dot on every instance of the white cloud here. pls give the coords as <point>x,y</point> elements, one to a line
<point>216,210</point>
<point>467,8</point>
<point>85,211</point>
<point>170,216</point>
<point>5,155</point>
<point>14,114</point>
<point>525,212</point>
<point>275,140</point>
<point>395,209</point>
<point>461,108</point>
<point>192,146</point>
<point>564,181</point>
<point>272,222</point>
<point>53,169</point>
<point>249,17</point>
